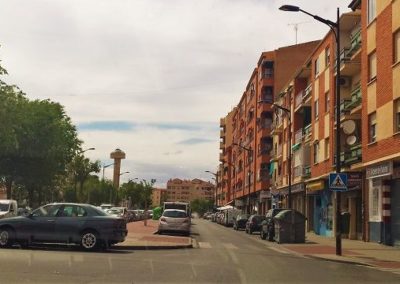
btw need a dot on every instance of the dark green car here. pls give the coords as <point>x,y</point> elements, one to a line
<point>70,223</point>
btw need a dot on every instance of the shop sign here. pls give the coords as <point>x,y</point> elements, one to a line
<point>314,186</point>
<point>379,170</point>
<point>354,180</point>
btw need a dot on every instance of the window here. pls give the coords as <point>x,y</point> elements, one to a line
<point>396,46</point>
<point>46,211</point>
<point>327,101</point>
<point>327,56</point>
<point>372,127</point>
<point>316,67</point>
<point>316,110</point>
<point>396,109</point>
<point>371,10</point>
<point>326,148</point>
<point>316,153</point>
<point>372,66</point>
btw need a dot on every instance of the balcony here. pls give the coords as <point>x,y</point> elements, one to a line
<point>298,136</point>
<point>298,100</point>
<point>222,122</point>
<point>263,175</point>
<point>302,171</point>
<point>222,133</point>
<point>221,157</point>
<point>351,156</point>
<point>307,171</point>
<point>307,131</point>
<point>221,145</point>
<point>355,41</point>
<point>307,93</point>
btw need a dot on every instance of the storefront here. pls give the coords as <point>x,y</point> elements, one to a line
<point>378,182</point>
<point>298,197</point>
<point>320,208</point>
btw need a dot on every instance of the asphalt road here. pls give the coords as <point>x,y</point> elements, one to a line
<point>223,256</point>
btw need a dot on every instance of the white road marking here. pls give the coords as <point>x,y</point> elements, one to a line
<point>277,250</point>
<point>204,245</point>
<point>230,246</point>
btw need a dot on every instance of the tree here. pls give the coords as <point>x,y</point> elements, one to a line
<point>201,206</point>
<point>37,142</point>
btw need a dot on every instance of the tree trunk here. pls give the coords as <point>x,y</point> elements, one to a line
<point>9,187</point>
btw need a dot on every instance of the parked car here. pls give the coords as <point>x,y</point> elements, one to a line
<point>81,224</point>
<point>268,226</point>
<point>8,208</point>
<point>240,221</point>
<point>118,212</point>
<point>174,220</point>
<point>253,224</point>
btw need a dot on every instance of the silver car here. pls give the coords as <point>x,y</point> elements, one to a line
<point>174,220</point>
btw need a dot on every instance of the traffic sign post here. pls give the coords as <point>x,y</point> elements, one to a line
<point>338,181</point>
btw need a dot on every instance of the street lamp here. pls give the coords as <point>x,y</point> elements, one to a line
<point>88,149</point>
<point>216,185</point>
<point>335,27</point>
<point>289,156</point>
<point>249,154</point>
<point>106,166</point>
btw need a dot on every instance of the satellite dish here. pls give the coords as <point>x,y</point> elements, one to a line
<point>349,126</point>
<point>351,140</point>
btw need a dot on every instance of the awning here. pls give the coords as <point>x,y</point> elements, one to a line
<point>225,207</point>
<point>316,185</point>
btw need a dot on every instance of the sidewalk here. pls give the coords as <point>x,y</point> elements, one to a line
<point>353,251</point>
<point>144,237</point>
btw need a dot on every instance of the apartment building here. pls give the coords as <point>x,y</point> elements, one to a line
<point>310,98</point>
<point>189,190</point>
<point>158,196</point>
<point>380,82</point>
<point>245,158</point>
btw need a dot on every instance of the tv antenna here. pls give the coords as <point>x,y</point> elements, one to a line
<point>296,27</point>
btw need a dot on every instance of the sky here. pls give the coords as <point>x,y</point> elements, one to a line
<point>151,77</point>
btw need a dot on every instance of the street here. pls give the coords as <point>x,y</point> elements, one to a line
<point>222,255</point>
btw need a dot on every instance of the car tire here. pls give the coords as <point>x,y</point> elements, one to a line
<point>250,231</point>
<point>6,237</point>
<point>262,235</point>
<point>90,240</point>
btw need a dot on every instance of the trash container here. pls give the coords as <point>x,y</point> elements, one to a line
<point>290,227</point>
<point>345,222</point>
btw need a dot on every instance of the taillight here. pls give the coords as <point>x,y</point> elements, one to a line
<point>163,220</point>
<point>186,220</point>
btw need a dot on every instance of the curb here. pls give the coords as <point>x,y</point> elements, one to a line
<point>157,247</point>
<point>355,262</point>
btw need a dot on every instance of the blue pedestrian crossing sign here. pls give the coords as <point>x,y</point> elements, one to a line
<point>338,181</point>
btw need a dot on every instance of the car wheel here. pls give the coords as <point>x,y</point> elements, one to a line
<point>250,231</point>
<point>262,235</point>
<point>89,240</point>
<point>6,237</point>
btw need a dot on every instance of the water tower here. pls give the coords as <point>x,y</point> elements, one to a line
<point>117,155</point>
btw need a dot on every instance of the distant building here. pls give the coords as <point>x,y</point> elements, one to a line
<point>158,196</point>
<point>189,190</point>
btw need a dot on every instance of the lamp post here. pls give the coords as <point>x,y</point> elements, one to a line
<point>106,166</point>
<point>88,149</point>
<point>216,186</point>
<point>249,154</point>
<point>335,27</point>
<point>289,156</point>
<point>111,189</point>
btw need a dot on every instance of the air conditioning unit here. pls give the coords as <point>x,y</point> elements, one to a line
<point>345,82</point>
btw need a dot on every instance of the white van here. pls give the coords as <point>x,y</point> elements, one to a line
<point>8,208</point>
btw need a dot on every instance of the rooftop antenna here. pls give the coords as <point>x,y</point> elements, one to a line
<point>296,27</point>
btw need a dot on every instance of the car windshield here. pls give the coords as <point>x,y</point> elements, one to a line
<point>4,207</point>
<point>174,214</point>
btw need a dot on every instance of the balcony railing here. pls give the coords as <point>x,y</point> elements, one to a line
<point>307,171</point>
<point>298,136</point>
<point>298,99</point>
<point>307,131</point>
<point>307,92</point>
<point>347,105</point>
<point>352,156</point>
<point>355,41</point>
<point>267,99</point>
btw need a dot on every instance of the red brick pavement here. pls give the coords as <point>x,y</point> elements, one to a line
<point>138,227</point>
<point>318,249</point>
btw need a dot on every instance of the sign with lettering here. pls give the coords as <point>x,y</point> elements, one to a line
<point>379,170</point>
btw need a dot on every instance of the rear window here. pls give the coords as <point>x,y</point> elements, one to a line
<point>174,214</point>
<point>258,218</point>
